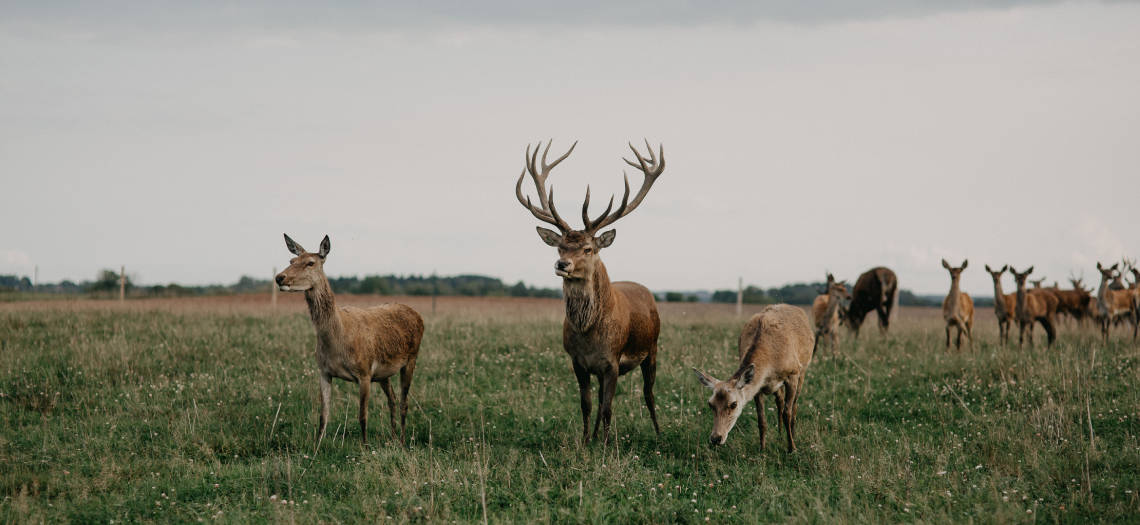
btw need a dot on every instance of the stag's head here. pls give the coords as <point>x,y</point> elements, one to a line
<point>578,249</point>
<point>1020,277</point>
<point>955,273</point>
<point>727,400</point>
<point>305,270</point>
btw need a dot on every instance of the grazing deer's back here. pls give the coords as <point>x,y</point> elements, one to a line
<point>780,335</point>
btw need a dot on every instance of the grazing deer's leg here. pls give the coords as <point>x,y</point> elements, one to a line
<point>584,393</point>
<point>605,411</point>
<point>789,419</point>
<point>365,389</point>
<point>649,377</point>
<point>948,336</point>
<point>326,392</point>
<point>970,333</point>
<point>405,386</point>
<point>884,321</point>
<point>391,404</point>
<point>761,423</point>
<point>779,409</point>
<point>958,336</point>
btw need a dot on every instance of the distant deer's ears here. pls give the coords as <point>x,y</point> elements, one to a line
<point>705,379</point>
<point>945,264</point>
<point>325,247</point>
<point>294,248</point>
<point>550,237</point>
<point>964,263</point>
<point>988,269</point>
<point>606,239</point>
<point>744,377</point>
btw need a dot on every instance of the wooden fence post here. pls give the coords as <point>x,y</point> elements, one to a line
<point>273,288</point>
<point>739,296</point>
<point>122,283</point>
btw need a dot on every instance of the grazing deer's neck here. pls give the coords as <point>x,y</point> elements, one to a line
<point>322,310</point>
<point>587,301</point>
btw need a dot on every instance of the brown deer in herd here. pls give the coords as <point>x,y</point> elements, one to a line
<point>826,310</point>
<point>1033,306</point>
<point>1073,303</point>
<point>1037,282</point>
<point>1005,305</point>
<point>359,345</point>
<point>775,350</point>
<point>1114,304</point>
<point>958,308</point>
<point>610,327</point>
<point>875,290</point>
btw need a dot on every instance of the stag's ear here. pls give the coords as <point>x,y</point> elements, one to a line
<point>325,247</point>
<point>550,237</point>
<point>744,377</point>
<point>293,247</point>
<point>945,264</point>
<point>964,263</point>
<point>705,379</point>
<point>606,239</point>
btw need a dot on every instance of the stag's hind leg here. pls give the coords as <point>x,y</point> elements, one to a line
<point>391,404</point>
<point>649,376</point>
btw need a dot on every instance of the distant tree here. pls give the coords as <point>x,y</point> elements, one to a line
<point>108,281</point>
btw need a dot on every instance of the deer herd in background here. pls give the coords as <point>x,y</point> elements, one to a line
<point>612,327</point>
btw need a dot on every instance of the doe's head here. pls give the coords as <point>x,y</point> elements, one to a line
<point>955,272</point>
<point>1020,277</point>
<point>727,400</point>
<point>304,270</point>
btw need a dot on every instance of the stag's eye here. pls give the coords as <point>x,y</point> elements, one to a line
<point>588,251</point>
<point>311,263</point>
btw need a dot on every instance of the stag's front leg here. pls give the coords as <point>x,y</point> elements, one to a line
<point>325,394</point>
<point>605,412</point>
<point>584,393</point>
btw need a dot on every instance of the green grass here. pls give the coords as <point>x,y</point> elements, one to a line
<point>158,416</point>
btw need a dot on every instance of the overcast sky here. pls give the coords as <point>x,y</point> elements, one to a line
<point>182,140</point>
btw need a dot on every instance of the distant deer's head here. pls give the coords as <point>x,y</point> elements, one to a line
<point>1020,277</point>
<point>727,400</point>
<point>1108,274</point>
<point>955,272</point>
<point>996,275</point>
<point>304,270</point>
<point>578,249</point>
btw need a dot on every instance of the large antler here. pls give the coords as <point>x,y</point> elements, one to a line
<point>548,213</point>
<point>651,167</point>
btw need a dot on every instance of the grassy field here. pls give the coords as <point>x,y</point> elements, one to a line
<point>188,410</point>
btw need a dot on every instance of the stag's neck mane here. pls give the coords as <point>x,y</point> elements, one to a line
<point>322,310</point>
<point>588,299</point>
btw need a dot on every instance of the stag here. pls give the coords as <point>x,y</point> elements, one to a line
<point>775,350</point>
<point>1033,306</point>
<point>610,327</point>
<point>359,345</point>
<point>877,290</point>
<point>958,308</point>
<point>826,310</point>
<point>1004,304</point>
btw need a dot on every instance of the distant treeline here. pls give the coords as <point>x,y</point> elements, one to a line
<point>106,284</point>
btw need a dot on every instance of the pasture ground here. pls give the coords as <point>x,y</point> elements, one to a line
<point>188,410</point>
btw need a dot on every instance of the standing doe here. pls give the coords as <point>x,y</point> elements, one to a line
<point>360,345</point>
<point>1114,304</point>
<point>826,310</point>
<point>958,308</point>
<point>610,327</point>
<point>775,350</point>
<point>1033,306</point>
<point>1005,305</point>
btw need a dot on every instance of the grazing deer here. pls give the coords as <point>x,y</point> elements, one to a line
<point>1005,305</point>
<point>1033,306</point>
<point>775,351</point>
<point>609,328</point>
<point>876,289</point>
<point>1113,304</point>
<point>826,309</point>
<point>360,345</point>
<point>1073,303</point>
<point>958,308</point>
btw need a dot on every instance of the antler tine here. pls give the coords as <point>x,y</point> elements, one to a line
<point>586,206</point>
<point>651,170</point>
<point>547,213</point>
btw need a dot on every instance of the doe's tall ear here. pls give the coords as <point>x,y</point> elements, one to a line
<point>294,248</point>
<point>550,237</point>
<point>964,263</point>
<point>705,379</point>
<point>744,377</point>
<point>606,238</point>
<point>325,247</point>
<point>945,264</point>
<point>1029,271</point>
<point>1004,268</point>
<point>988,269</point>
